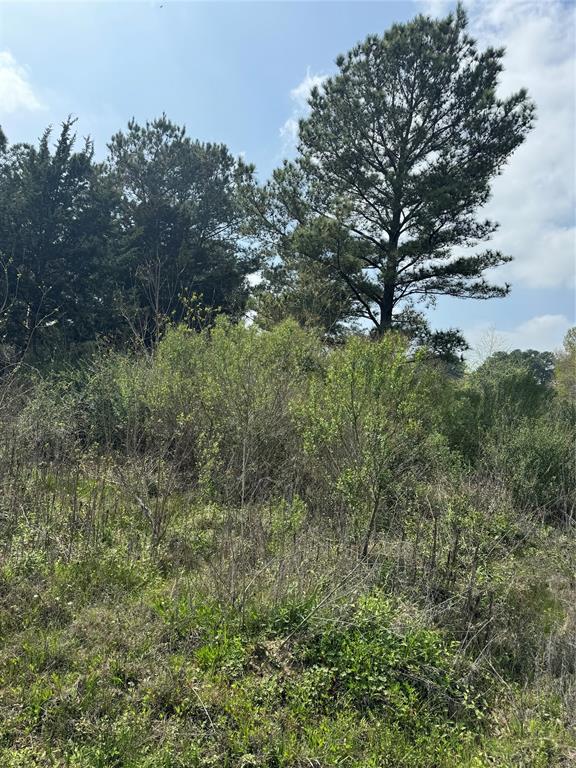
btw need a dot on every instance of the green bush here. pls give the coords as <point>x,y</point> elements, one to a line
<point>228,391</point>
<point>371,428</point>
<point>374,664</point>
<point>535,459</point>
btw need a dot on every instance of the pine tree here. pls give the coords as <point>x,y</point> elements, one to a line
<point>182,223</point>
<point>399,152</point>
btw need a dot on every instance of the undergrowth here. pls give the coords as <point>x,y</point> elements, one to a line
<point>249,550</point>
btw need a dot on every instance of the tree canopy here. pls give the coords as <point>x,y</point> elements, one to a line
<point>182,221</point>
<point>380,210</point>
<point>56,228</point>
<point>565,372</point>
<point>90,249</point>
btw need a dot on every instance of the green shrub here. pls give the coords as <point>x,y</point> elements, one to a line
<point>373,664</point>
<point>535,459</point>
<point>370,428</point>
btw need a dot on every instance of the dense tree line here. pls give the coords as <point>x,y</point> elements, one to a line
<point>373,216</point>
<point>91,249</point>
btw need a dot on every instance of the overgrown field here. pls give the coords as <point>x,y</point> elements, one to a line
<point>249,549</point>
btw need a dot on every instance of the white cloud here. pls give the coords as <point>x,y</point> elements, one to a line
<point>289,131</point>
<point>543,332</point>
<point>302,92</point>
<point>16,92</point>
<point>436,7</point>
<point>535,198</point>
<point>299,97</point>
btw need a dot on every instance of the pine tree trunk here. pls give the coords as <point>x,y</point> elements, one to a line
<point>386,307</point>
<point>386,303</point>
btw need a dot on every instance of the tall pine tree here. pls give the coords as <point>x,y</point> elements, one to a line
<point>397,157</point>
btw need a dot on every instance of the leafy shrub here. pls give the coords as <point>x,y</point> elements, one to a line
<point>223,396</point>
<point>370,428</point>
<point>375,665</point>
<point>535,460</point>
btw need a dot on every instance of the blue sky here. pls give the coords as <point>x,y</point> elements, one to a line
<point>239,72</point>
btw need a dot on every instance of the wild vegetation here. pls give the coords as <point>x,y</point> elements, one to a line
<point>250,549</point>
<point>295,541</point>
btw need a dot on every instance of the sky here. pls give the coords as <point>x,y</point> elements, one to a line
<point>240,73</point>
